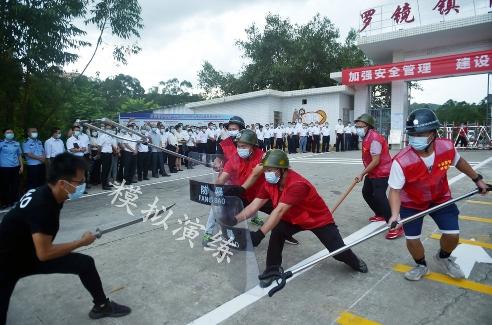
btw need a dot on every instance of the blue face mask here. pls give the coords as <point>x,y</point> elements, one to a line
<point>79,191</point>
<point>271,177</point>
<point>9,136</point>
<point>243,153</point>
<point>361,132</point>
<point>418,143</point>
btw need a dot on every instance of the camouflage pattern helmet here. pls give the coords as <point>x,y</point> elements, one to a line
<point>276,158</point>
<point>366,118</point>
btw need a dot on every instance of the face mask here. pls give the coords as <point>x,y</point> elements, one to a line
<point>271,177</point>
<point>79,191</point>
<point>34,135</point>
<point>418,143</point>
<point>243,153</point>
<point>76,133</point>
<point>361,132</point>
<point>339,122</point>
<point>190,133</point>
<point>9,136</point>
<point>94,134</point>
<point>56,136</point>
<point>233,133</point>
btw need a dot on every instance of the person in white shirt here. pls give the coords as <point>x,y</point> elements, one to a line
<point>260,134</point>
<point>303,134</point>
<point>95,159</point>
<point>279,137</point>
<point>129,155</point>
<point>297,130</point>
<point>75,145</point>
<point>267,134</point>
<point>316,138</point>
<point>339,145</point>
<point>211,139</point>
<point>347,137</point>
<point>355,137</point>
<point>106,146</point>
<point>143,156</point>
<point>325,133</point>
<point>309,144</point>
<point>54,145</point>
<point>172,145</point>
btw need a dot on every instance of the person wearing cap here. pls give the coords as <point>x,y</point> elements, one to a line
<point>35,157</point>
<point>418,181</point>
<point>297,206</point>
<point>377,165</point>
<point>232,129</point>
<point>11,167</point>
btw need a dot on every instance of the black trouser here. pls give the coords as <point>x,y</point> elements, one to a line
<point>267,144</point>
<point>326,144</point>
<point>73,263</point>
<point>328,235</point>
<point>202,147</point>
<point>295,142</point>
<point>309,142</point>
<point>355,142</point>
<point>171,159</point>
<point>106,159</point>
<point>279,144</point>
<point>289,144</point>
<point>374,193</point>
<point>130,165</point>
<point>261,145</point>
<point>95,172</point>
<point>157,163</point>
<point>339,143</point>
<point>462,140</point>
<point>211,147</point>
<point>143,165</point>
<point>36,176</point>
<point>316,139</point>
<point>9,185</point>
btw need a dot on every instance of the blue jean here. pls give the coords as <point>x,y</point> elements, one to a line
<point>302,143</point>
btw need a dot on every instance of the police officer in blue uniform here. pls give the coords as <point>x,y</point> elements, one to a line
<point>35,157</point>
<point>11,166</point>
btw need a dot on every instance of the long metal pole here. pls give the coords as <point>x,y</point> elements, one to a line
<point>108,121</point>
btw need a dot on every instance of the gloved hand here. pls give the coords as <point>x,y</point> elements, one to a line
<point>234,190</point>
<point>256,237</point>
<point>228,221</point>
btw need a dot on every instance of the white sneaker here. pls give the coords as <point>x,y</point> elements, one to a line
<point>449,266</point>
<point>417,272</point>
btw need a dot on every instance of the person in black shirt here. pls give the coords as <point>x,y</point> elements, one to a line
<point>27,233</point>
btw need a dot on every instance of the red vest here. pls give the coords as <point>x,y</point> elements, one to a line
<point>312,212</point>
<point>240,169</point>
<point>424,188</point>
<point>382,170</point>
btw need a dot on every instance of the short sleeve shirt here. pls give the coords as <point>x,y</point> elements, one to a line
<point>36,212</point>
<point>10,151</point>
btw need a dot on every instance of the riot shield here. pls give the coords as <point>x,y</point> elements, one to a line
<point>231,246</point>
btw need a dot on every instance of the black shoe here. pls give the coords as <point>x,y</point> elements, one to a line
<point>291,240</point>
<point>107,188</point>
<point>110,309</point>
<point>146,179</point>
<point>167,175</point>
<point>155,176</point>
<point>140,179</point>
<point>268,276</point>
<point>85,192</point>
<point>362,267</point>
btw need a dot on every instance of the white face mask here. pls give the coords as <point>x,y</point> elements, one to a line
<point>76,133</point>
<point>94,134</point>
<point>271,177</point>
<point>34,135</point>
<point>243,153</point>
<point>233,133</point>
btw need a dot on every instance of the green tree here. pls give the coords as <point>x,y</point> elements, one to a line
<point>285,56</point>
<point>37,38</point>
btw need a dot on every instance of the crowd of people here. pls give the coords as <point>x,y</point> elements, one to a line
<point>127,156</point>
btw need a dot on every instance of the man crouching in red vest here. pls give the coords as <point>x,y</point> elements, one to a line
<point>418,181</point>
<point>377,165</point>
<point>297,206</point>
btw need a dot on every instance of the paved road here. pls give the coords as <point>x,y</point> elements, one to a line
<point>166,281</point>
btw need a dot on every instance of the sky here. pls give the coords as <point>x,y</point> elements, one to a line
<point>178,36</point>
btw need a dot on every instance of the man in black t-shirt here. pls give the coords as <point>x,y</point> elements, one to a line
<point>27,233</point>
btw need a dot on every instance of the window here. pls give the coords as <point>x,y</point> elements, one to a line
<point>304,101</point>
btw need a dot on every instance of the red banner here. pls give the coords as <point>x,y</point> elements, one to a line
<point>465,63</point>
